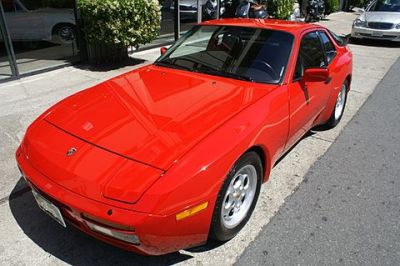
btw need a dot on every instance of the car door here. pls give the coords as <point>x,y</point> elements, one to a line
<point>307,98</point>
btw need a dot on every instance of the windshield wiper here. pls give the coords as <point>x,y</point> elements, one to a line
<point>172,65</point>
<point>216,72</point>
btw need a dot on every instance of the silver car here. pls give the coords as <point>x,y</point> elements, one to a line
<point>380,20</point>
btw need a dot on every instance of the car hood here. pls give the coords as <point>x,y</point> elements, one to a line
<point>83,168</point>
<point>153,115</point>
<point>390,17</point>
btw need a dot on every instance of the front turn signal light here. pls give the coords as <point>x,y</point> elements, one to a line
<point>192,211</point>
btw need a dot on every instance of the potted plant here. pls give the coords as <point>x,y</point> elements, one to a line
<point>111,26</point>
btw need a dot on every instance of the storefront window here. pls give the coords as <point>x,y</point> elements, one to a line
<point>5,55</point>
<point>43,32</point>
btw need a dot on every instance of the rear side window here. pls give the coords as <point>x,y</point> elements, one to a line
<point>341,41</point>
<point>329,48</point>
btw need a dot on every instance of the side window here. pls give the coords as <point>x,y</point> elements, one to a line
<point>310,55</point>
<point>329,48</point>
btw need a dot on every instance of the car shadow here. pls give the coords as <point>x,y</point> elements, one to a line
<point>69,244</point>
<point>373,43</point>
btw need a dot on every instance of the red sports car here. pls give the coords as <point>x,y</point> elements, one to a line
<point>163,157</point>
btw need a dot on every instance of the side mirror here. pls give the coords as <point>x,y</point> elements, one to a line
<point>316,74</point>
<point>163,50</point>
<point>361,10</point>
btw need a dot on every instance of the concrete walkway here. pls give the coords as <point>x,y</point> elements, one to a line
<point>28,236</point>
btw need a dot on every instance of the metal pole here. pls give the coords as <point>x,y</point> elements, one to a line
<point>199,11</point>
<point>218,8</point>
<point>177,19</point>
<point>8,44</point>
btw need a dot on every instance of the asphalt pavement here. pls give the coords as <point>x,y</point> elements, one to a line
<point>347,210</point>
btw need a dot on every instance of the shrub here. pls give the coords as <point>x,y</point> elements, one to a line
<point>280,9</point>
<point>331,6</point>
<point>120,22</point>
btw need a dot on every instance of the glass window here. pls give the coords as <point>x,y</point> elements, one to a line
<point>311,51</point>
<point>252,54</point>
<point>43,33</point>
<point>329,48</point>
<point>310,55</point>
<point>341,41</point>
<point>5,55</point>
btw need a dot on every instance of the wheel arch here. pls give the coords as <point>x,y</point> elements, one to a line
<point>263,154</point>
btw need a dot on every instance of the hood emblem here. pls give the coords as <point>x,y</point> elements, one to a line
<point>71,152</point>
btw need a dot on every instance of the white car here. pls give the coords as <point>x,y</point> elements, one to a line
<point>380,20</point>
<point>41,24</point>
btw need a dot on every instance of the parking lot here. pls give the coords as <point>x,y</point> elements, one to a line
<point>30,237</point>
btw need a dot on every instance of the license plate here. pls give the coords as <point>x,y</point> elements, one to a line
<point>52,210</point>
<point>377,34</point>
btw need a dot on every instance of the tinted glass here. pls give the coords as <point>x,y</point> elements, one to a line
<point>243,53</point>
<point>341,41</point>
<point>330,50</point>
<point>311,51</point>
<point>310,55</point>
<point>43,33</point>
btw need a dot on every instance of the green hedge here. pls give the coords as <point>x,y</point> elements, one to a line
<point>280,9</point>
<point>120,22</point>
<point>331,6</point>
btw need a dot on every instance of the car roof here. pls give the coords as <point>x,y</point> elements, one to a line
<point>276,24</point>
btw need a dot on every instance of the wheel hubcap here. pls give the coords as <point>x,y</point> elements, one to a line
<point>66,34</point>
<point>340,101</point>
<point>239,196</point>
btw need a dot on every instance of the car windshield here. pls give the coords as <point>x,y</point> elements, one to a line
<point>386,6</point>
<point>251,54</point>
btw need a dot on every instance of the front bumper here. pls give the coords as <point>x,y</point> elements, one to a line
<point>376,34</point>
<point>157,234</point>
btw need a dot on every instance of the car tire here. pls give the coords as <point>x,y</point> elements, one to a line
<point>64,33</point>
<point>237,197</point>
<point>340,105</point>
